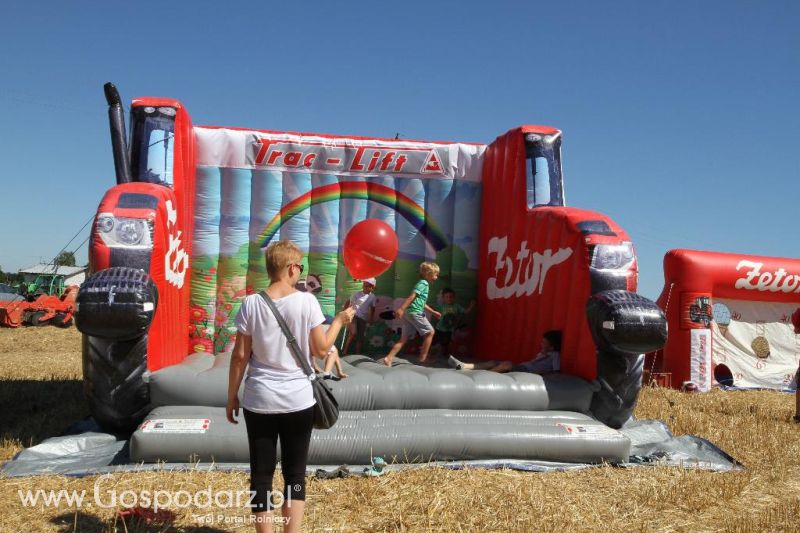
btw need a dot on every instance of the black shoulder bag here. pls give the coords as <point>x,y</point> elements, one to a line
<point>326,410</point>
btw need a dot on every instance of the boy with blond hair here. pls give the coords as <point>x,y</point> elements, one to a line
<point>412,313</point>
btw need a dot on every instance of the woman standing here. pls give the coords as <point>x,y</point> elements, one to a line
<point>278,400</point>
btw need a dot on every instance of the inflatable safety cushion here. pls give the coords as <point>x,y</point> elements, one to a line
<point>203,380</point>
<point>200,379</point>
<point>397,435</point>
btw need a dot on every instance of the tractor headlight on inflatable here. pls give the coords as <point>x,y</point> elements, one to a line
<point>105,224</point>
<point>124,232</point>
<point>130,231</point>
<point>613,257</point>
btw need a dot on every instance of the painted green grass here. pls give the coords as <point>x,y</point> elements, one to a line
<point>220,282</point>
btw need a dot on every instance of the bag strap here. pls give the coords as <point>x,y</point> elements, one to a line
<point>293,346</point>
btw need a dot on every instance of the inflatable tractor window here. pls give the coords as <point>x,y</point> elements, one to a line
<point>492,217</point>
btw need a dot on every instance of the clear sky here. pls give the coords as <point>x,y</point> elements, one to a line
<point>681,119</point>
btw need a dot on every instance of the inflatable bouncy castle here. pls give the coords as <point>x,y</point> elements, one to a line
<point>729,320</point>
<point>179,241</point>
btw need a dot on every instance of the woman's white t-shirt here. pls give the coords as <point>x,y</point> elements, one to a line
<point>275,382</point>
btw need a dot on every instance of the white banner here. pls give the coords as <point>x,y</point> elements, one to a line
<point>700,357</point>
<point>756,341</point>
<point>220,147</point>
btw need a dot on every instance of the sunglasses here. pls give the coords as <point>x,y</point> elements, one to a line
<point>301,267</point>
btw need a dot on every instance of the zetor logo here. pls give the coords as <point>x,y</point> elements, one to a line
<point>525,272</point>
<point>755,280</point>
<point>176,261</point>
<point>318,155</point>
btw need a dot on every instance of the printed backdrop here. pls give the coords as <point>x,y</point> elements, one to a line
<point>255,187</point>
<point>756,341</point>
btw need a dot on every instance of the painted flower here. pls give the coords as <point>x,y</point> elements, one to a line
<point>197,313</point>
<point>223,341</point>
<point>202,345</point>
<point>376,341</point>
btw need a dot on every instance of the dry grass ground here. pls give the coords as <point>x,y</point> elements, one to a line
<point>40,395</point>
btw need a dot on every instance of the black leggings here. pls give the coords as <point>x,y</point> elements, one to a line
<point>263,431</point>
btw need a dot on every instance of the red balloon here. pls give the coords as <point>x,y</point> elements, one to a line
<point>369,249</point>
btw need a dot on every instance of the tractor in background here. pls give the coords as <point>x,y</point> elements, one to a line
<point>44,284</point>
<point>47,304</point>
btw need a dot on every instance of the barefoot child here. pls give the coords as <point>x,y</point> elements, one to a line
<point>331,359</point>
<point>363,302</point>
<point>412,313</point>
<point>547,361</point>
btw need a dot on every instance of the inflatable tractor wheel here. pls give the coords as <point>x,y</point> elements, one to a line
<point>624,326</point>
<point>113,382</point>
<point>114,310</point>
<point>621,376</point>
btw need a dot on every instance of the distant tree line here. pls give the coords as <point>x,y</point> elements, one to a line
<point>11,278</point>
<point>65,259</point>
<point>14,278</point>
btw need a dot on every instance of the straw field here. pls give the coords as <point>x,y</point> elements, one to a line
<point>40,396</point>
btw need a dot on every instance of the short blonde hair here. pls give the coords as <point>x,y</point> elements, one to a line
<point>280,255</point>
<point>428,267</point>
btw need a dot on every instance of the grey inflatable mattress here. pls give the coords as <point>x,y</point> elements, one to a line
<point>192,433</point>
<point>202,379</point>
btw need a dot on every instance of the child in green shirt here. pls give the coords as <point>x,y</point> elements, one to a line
<point>412,313</point>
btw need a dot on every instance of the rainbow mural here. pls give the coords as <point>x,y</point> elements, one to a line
<point>358,190</point>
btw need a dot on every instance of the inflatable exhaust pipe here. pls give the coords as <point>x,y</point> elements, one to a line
<point>119,142</point>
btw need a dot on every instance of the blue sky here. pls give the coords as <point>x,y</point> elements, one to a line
<point>680,119</point>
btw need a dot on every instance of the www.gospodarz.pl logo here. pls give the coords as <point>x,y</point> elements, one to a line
<point>109,498</point>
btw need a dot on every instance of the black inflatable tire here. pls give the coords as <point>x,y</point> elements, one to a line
<point>112,381</point>
<point>35,319</point>
<point>117,303</point>
<point>623,373</point>
<point>624,325</point>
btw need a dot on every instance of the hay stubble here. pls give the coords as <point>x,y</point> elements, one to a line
<point>40,395</point>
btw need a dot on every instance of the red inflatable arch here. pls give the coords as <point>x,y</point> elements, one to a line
<point>705,295</point>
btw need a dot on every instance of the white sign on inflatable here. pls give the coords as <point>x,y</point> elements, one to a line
<point>175,425</point>
<point>755,280</point>
<point>176,260</point>
<point>701,359</point>
<point>521,279</point>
